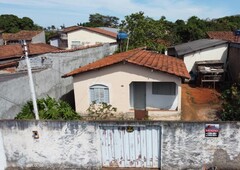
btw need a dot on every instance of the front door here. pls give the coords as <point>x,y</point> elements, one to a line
<point>139,95</point>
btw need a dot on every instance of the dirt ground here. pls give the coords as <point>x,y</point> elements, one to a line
<point>199,104</point>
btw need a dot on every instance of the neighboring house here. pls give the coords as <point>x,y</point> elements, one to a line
<point>200,50</point>
<point>78,36</point>
<point>233,61</point>
<point>225,35</point>
<point>135,81</point>
<point>30,37</point>
<point>11,54</point>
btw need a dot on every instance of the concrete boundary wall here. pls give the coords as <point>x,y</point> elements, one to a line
<point>15,92</point>
<point>77,144</point>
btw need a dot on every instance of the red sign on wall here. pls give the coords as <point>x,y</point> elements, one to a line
<point>211,130</point>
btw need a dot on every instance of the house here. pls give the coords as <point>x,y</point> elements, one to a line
<point>136,82</point>
<point>30,37</point>
<point>78,36</point>
<point>229,36</point>
<point>200,50</point>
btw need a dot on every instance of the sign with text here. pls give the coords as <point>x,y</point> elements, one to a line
<point>211,130</point>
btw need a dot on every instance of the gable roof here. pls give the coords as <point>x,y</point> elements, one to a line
<point>15,50</point>
<point>21,35</point>
<point>96,30</point>
<point>197,45</point>
<point>140,57</point>
<point>223,35</point>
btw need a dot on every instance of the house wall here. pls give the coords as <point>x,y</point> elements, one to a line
<point>40,38</point>
<point>118,79</point>
<point>54,42</point>
<point>214,53</point>
<point>233,61</point>
<point>14,88</point>
<point>88,38</point>
<point>75,145</point>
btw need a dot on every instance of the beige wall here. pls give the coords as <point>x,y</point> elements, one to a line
<point>214,53</point>
<point>118,79</point>
<point>88,38</point>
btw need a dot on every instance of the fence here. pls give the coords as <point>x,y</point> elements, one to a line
<point>94,144</point>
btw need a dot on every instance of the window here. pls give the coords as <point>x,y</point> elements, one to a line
<point>76,44</point>
<point>164,88</point>
<point>99,93</point>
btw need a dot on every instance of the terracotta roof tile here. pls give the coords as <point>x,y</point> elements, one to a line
<point>96,30</point>
<point>223,35</point>
<point>21,35</point>
<point>15,51</point>
<point>139,56</point>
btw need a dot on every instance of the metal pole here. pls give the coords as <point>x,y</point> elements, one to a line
<point>30,80</point>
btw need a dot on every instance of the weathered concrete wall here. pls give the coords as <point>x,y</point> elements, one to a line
<point>15,92</point>
<point>233,61</point>
<point>77,144</point>
<point>60,145</point>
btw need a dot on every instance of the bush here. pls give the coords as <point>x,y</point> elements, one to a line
<point>50,109</point>
<point>101,110</point>
<point>231,104</point>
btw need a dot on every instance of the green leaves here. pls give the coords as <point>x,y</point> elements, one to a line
<point>50,109</point>
<point>12,24</point>
<point>231,104</point>
<point>143,31</point>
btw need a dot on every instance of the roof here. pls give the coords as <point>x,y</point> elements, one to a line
<point>223,35</point>
<point>197,45</point>
<point>21,35</point>
<point>15,50</point>
<point>96,30</point>
<point>141,57</point>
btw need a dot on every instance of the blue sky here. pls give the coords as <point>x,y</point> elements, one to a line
<point>71,12</point>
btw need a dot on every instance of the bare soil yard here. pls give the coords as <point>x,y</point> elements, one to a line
<point>199,104</point>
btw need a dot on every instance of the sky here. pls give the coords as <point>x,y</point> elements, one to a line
<point>70,12</point>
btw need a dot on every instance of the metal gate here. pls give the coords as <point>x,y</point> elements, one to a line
<point>131,146</point>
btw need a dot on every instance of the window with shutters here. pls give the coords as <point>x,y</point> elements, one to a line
<point>164,88</point>
<point>99,93</point>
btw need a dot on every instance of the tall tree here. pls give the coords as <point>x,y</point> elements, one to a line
<point>99,20</point>
<point>11,23</point>
<point>143,31</point>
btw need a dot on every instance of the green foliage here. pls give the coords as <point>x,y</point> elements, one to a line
<point>50,109</point>
<point>144,31</point>
<point>231,104</point>
<point>12,24</point>
<point>101,110</point>
<point>99,20</point>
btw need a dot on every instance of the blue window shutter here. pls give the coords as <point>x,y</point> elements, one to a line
<point>92,95</point>
<point>106,95</point>
<point>99,93</point>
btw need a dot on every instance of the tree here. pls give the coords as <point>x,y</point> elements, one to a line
<point>231,104</point>
<point>99,20</point>
<point>143,31</point>
<point>49,108</point>
<point>12,24</point>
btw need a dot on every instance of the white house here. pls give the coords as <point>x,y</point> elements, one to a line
<point>78,36</point>
<point>200,50</point>
<point>134,81</point>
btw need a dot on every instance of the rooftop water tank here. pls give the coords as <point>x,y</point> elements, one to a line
<point>122,35</point>
<point>237,32</point>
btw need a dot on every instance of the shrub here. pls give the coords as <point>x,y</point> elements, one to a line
<point>50,109</point>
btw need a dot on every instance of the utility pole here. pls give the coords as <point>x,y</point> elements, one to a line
<point>25,50</point>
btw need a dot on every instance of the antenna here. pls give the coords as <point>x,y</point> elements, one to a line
<point>25,50</point>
